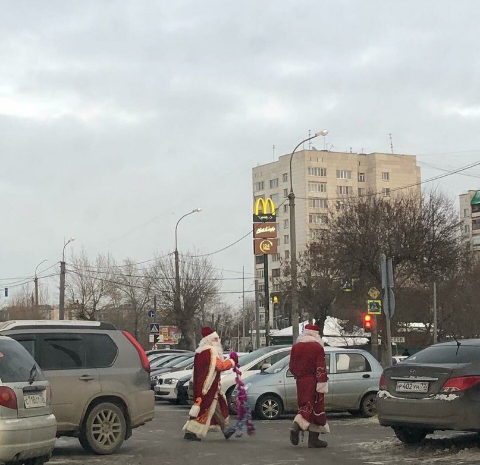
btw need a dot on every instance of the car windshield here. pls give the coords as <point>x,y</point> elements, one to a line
<point>252,356</point>
<point>184,363</point>
<point>279,366</point>
<point>175,361</point>
<point>446,354</point>
<point>162,361</point>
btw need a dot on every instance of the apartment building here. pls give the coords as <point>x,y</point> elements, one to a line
<point>470,219</point>
<point>320,180</point>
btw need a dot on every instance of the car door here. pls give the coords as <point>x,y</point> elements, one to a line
<point>63,359</point>
<point>291,388</point>
<point>266,362</point>
<point>349,380</point>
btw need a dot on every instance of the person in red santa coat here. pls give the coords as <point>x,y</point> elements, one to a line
<point>210,410</point>
<point>307,364</point>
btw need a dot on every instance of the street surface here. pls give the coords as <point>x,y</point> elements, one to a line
<point>352,441</point>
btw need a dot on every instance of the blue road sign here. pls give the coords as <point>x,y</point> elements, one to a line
<point>154,328</point>
<point>151,314</point>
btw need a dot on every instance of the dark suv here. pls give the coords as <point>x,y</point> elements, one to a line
<point>99,377</point>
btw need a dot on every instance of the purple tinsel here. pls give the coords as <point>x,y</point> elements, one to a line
<point>244,415</point>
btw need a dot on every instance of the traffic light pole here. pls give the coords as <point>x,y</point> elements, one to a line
<point>374,338</point>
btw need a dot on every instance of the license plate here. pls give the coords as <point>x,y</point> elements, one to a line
<point>406,386</point>
<point>35,400</point>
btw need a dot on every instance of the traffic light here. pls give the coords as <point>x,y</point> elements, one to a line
<point>367,322</point>
<point>347,285</point>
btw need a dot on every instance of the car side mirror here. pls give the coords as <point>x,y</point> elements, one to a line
<point>265,366</point>
<point>289,374</point>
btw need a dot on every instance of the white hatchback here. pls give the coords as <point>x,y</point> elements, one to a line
<point>27,425</point>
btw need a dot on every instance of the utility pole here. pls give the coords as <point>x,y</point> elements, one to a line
<point>243,305</point>
<point>257,317</point>
<point>36,292</point>
<point>386,268</point>
<point>266,300</point>
<point>61,307</point>
<point>435,322</point>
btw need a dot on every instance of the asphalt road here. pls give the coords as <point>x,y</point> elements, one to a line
<point>352,441</point>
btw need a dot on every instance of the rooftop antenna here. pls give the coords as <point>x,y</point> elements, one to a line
<point>351,150</point>
<point>309,142</point>
<point>273,152</point>
<point>391,142</point>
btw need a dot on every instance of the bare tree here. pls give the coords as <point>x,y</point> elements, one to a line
<point>198,286</point>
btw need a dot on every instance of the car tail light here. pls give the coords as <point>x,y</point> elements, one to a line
<point>143,356</point>
<point>383,383</point>
<point>461,383</point>
<point>8,398</point>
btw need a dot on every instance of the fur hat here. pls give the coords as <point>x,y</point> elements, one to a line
<point>207,331</point>
<point>312,328</point>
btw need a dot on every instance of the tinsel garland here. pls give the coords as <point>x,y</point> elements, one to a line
<point>244,415</point>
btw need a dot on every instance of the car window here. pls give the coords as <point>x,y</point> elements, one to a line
<point>184,363</point>
<point>174,362</point>
<point>270,359</point>
<point>102,351</point>
<point>16,363</point>
<point>351,363</point>
<point>446,354</point>
<point>327,363</point>
<point>62,352</point>
<point>252,356</point>
<point>160,362</point>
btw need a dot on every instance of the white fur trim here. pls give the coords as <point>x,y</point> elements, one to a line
<point>206,342</point>
<point>322,388</point>
<point>310,336</point>
<point>304,424</point>
<point>319,429</point>
<point>201,430</point>
<point>212,372</point>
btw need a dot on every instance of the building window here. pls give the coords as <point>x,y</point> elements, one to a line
<point>286,239</point>
<point>287,254</point>
<point>361,191</point>
<point>386,192</point>
<point>275,198</point>
<point>475,224</point>
<point>317,203</point>
<point>276,257</point>
<point>340,205</point>
<point>277,288</point>
<point>285,193</point>
<point>259,186</point>
<point>285,208</point>
<point>258,174</point>
<point>260,273</point>
<point>273,183</point>
<point>261,287</point>
<point>258,259</point>
<point>315,234</point>
<point>276,273</point>
<point>344,174</point>
<point>316,171</point>
<point>467,229</point>
<point>317,187</point>
<point>317,218</point>
<point>285,177</point>
<point>466,212</point>
<point>345,190</point>
<point>361,177</point>
<point>286,224</point>
<point>385,176</point>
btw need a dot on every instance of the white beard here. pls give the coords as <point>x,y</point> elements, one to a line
<point>218,348</point>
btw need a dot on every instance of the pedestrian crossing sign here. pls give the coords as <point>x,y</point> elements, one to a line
<point>374,307</point>
<point>154,328</point>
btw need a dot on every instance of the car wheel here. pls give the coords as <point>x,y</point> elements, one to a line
<point>368,406</point>
<point>410,435</point>
<point>269,407</point>
<point>231,405</point>
<point>104,429</point>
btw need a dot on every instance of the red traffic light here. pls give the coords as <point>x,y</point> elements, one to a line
<point>367,322</point>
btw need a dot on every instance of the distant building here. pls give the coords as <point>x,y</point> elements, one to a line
<point>321,180</point>
<point>470,219</point>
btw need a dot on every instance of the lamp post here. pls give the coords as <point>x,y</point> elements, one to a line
<point>61,310</point>
<point>293,240</point>
<point>36,282</point>
<point>177,305</point>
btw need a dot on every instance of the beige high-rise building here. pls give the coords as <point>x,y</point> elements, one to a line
<point>470,219</point>
<point>320,178</point>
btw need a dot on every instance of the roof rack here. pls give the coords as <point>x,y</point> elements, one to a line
<point>55,324</point>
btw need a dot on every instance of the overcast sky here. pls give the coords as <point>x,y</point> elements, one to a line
<point>117,117</point>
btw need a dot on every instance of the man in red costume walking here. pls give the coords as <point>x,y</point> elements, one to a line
<point>307,364</point>
<point>210,409</point>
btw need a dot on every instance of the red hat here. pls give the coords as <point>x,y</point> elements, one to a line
<point>312,328</point>
<point>207,331</point>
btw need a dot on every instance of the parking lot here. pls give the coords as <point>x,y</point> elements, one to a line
<point>353,441</point>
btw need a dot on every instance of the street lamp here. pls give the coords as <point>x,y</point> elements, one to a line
<point>61,307</point>
<point>177,302</point>
<point>293,240</point>
<point>36,282</point>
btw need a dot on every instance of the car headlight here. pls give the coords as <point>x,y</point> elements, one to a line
<point>171,381</point>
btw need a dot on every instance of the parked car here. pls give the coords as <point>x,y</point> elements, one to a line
<point>176,363</point>
<point>435,389</point>
<point>27,425</point>
<point>250,364</point>
<point>398,358</point>
<point>167,383</point>
<point>156,352</point>
<point>99,377</point>
<point>353,377</point>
